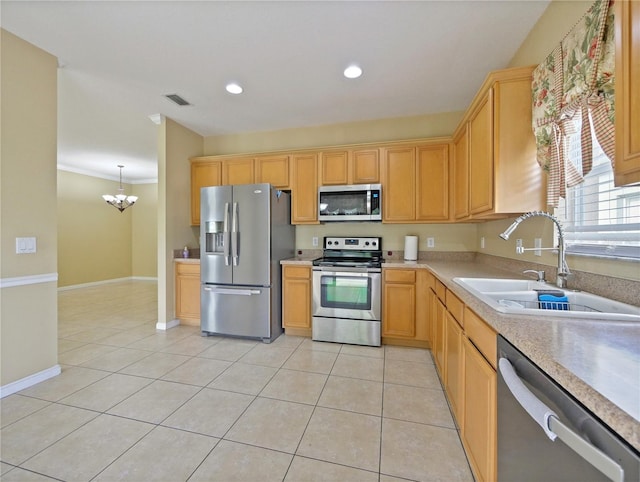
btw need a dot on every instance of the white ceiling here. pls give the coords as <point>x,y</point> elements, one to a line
<point>118,59</point>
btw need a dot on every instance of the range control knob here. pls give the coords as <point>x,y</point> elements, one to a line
<point>366,243</point>
<point>374,242</point>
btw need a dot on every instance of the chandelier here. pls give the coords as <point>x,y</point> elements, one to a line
<point>120,201</point>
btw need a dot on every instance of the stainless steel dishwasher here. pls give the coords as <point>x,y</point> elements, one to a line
<point>546,435</point>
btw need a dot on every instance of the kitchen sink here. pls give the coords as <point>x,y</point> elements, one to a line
<point>521,296</point>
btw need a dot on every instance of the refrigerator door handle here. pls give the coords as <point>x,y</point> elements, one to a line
<point>235,235</point>
<point>226,235</point>
<point>232,291</point>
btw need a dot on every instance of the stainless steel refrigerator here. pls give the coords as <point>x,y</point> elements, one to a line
<point>245,231</point>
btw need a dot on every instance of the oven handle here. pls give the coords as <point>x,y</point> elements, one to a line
<point>553,427</point>
<point>345,270</point>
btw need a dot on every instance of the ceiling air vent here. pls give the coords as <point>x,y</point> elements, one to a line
<point>177,99</point>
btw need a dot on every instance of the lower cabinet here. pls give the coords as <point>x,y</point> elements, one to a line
<point>405,317</point>
<point>454,361</point>
<point>479,427</point>
<point>188,293</point>
<point>296,300</point>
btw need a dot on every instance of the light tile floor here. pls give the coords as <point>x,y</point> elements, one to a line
<point>133,403</point>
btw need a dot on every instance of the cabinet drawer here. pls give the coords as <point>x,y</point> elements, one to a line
<point>482,335</point>
<point>399,276</point>
<point>455,307</point>
<point>300,272</point>
<point>192,269</point>
<point>441,290</point>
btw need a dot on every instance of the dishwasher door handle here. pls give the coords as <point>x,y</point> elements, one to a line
<point>553,427</point>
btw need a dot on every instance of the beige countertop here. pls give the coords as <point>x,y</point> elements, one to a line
<point>187,260</point>
<point>596,361</point>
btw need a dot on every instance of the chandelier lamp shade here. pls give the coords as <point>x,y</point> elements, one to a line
<point>120,201</point>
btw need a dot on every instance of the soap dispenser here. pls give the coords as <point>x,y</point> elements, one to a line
<point>185,252</point>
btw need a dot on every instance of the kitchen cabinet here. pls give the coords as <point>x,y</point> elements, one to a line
<point>405,316</point>
<point>187,278</point>
<point>415,183</point>
<point>273,170</point>
<point>479,427</point>
<point>204,173</point>
<point>296,299</point>
<point>453,356</point>
<point>439,329</point>
<point>502,173</point>
<point>460,173</point>
<point>238,171</point>
<point>304,189</point>
<point>350,166</point>
<point>627,93</point>
<point>399,303</point>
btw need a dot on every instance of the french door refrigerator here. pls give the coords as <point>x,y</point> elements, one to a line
<point>245,231</point>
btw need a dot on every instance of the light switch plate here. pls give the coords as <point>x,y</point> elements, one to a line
<point>25,245</point>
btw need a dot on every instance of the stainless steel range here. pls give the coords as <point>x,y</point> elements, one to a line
<point>347,291</point>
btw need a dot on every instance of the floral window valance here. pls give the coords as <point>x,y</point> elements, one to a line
<point>573,90</point>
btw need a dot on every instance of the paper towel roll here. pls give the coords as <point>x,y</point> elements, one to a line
<point>411,248</point>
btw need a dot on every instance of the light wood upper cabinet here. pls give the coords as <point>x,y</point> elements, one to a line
<point>481,155</point>
<point>432,182</point>
<point>273,170</point>
<point>398,190</point>
<point>204,173</point>
<point>304,189</point>
<point>350,166</point>
<point>365,166</point>
<point>296,297</point>
<point>627,95</point>
<point>188,293</point>
<point>460,173</point>
<point>415,183</point>
<point>238,171</point>
<point>503,174</point>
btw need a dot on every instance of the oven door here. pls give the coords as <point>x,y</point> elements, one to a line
<point>351,293</point>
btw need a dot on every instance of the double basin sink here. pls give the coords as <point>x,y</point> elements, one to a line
<point>542,299</point>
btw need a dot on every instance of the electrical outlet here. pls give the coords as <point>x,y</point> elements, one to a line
<point>537,244</point>
<point>482,242</point>
<point>431,242</point>
<point>314,241</point>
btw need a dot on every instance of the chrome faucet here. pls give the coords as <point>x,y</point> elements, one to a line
<point>563,269</point>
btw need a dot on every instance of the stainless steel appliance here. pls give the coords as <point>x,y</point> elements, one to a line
<point>347,291</point>
<point>544,434</point>
<point>358,202</point>
<point>245,231</point>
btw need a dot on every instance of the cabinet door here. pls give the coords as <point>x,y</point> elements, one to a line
<point>432,182</point>
<point>304,189</point>
<point>423,316</point>
<point>203,174</point>
<point>455,364</point>
<point>296,297</point>
<point>440,338</point>
<point>334,168</point>
<point>461,174</point>
<point>479,430</point>
<point>365,166</point>
<point>481,156</point>
<point>627,95</point>
<point>237,171</point>
<point>188,293</point>
<point>398,190</point>
<point>399,312</point>
<point>273,170</point>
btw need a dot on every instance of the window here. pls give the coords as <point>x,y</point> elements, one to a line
<point>599,218</point>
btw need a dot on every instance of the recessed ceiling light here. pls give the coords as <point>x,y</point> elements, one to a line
<point>234,88</point>
<point>352,72</point>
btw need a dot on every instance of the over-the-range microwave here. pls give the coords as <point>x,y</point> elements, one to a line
<point>357,202</point>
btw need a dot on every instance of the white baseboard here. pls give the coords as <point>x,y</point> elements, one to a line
<point>29,381</point>
<point>28,280</point>
<point>167,325</point>
<point>106,281</point>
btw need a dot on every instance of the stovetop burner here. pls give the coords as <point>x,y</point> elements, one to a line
<point>351,252</point>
